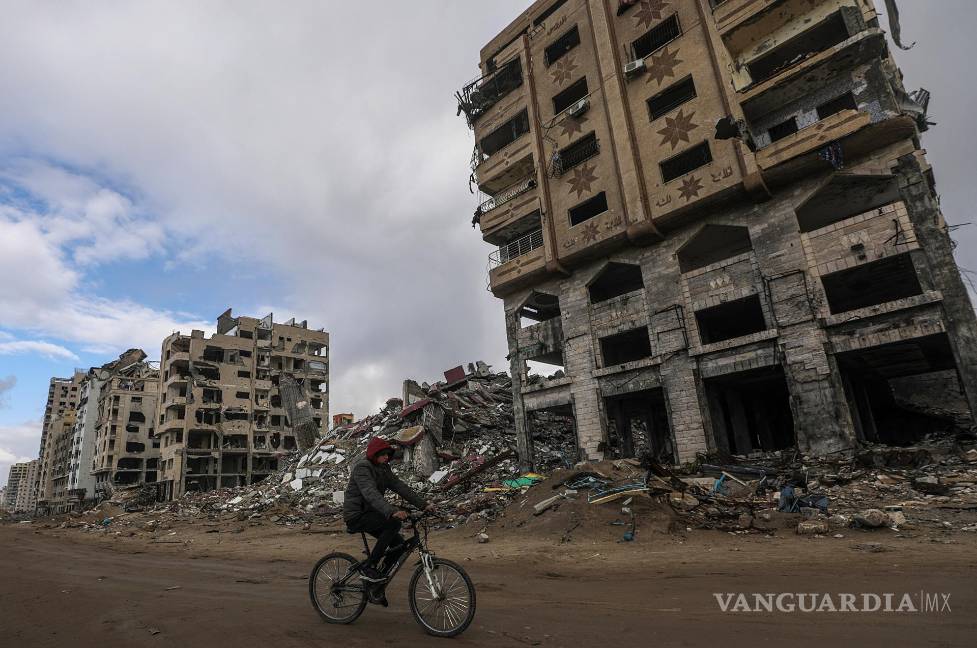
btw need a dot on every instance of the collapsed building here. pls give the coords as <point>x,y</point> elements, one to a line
<point>232,405</point>
<point>126,447</point>
<point>716,229</point>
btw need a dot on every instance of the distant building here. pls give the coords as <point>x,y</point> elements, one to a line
<point>62,397</point>
<point>221,419</point>
<point>341,419</point>
<point>25,498</point>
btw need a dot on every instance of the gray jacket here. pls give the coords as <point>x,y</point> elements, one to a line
<point>367,484</point>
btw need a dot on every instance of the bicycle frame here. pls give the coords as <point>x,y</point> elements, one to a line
<point>418,542</point>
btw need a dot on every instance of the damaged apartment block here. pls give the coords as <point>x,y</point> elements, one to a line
<point>715,229</point>
<point>230,406</point>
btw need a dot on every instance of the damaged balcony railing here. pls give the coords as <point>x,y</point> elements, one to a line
<point>573,155</point>
<point>517,189</point>
<point>484,92</point>
<point>519,247</point>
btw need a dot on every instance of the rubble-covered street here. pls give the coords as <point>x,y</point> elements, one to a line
<point>197,582</point>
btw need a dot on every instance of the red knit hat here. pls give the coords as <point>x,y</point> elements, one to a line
<point>375,447</point>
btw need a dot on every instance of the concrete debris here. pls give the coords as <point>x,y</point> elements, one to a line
<point>812,527</point>
<point>456,442</point>
<point>874,487</point>
<point>872,519</point>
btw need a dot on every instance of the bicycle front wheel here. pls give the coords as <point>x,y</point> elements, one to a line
<point>337,600</point>
<point>442,600</point>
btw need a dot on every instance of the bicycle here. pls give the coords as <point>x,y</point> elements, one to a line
<point>441,595</point>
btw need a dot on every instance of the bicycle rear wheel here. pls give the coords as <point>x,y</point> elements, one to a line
<point>445,606</point>
<point>337,603</point>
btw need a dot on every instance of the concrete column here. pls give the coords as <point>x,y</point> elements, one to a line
<point>517,370</point>
<point>961,323</point>
<point>822,420</point>
<point>683,399</point>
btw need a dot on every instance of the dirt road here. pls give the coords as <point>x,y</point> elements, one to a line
<point>58,589</point>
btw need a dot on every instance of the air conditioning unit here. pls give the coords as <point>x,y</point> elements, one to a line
<point>579,107</point>
<point>634,67</point>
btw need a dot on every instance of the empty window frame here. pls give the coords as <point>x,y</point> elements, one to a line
<point>656,37</point>
<point>505,134</point>
<point>617,279</point>
<point>671,97</point>
<point>730,320</point>
<point>588,209</point>
<point>827,34</point>
<point>871,284</point>
<point>579,151</point>
<point>574,93</point>
<point>686,161</point>
<point>626,347</point>
<point>558,48</point>
<point>836,105</point>
<point>782,130</point>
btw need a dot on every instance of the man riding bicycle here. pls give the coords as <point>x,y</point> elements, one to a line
<point>366,510</point>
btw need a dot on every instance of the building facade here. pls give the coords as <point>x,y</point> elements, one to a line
<point>25,497</point>
<point>62,397</point>
<point>716,229</point>
<point>126,447</point>
<point>222,421</point>
<point>17,472</point>
<point>81,482</point>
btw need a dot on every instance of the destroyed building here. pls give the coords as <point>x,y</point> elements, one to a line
<point>126,450</point>
<point>715,226</point>
<point>62,397</point>
<point>224,401</point>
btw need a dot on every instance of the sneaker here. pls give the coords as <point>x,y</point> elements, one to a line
<point>377,596</point>
<point>371,575</point>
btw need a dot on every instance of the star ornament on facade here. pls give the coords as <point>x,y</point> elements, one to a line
<point>663,65</point>
<point>649,11</point>
<point>563,70</point>
<point>590,232</point>
<point>677,129</point>
<point>571,126</point>
<point>581,180</point>
<point>690,188</point>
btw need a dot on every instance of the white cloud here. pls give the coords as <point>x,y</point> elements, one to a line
<point>46,349</point>
<point>48,298</point>
<point>337,169</point>
<point>7,457</point>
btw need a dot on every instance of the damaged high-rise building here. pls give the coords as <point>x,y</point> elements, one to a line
<point>126,446</point>
<point>231,405</point>
<point>716,229</point>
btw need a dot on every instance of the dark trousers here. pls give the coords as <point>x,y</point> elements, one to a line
<point>385,530</point>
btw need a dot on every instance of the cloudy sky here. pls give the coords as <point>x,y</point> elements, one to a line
<point>162,161</point>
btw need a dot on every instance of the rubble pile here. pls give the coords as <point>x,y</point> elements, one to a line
<point>929,485</point>
<point>456,440</point>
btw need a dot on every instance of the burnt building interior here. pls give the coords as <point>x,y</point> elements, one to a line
<point>637,426</point>
<point>751,411</point>
<point>879,415</point>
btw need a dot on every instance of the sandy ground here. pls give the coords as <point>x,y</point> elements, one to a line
<point>230,583</point>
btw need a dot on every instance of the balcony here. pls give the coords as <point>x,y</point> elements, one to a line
<point>512,191</point>
<point>574,154</point>
<point>730,13</point>
<point>477,97</point>
<point>516,261</point>
<point>519,247</point>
